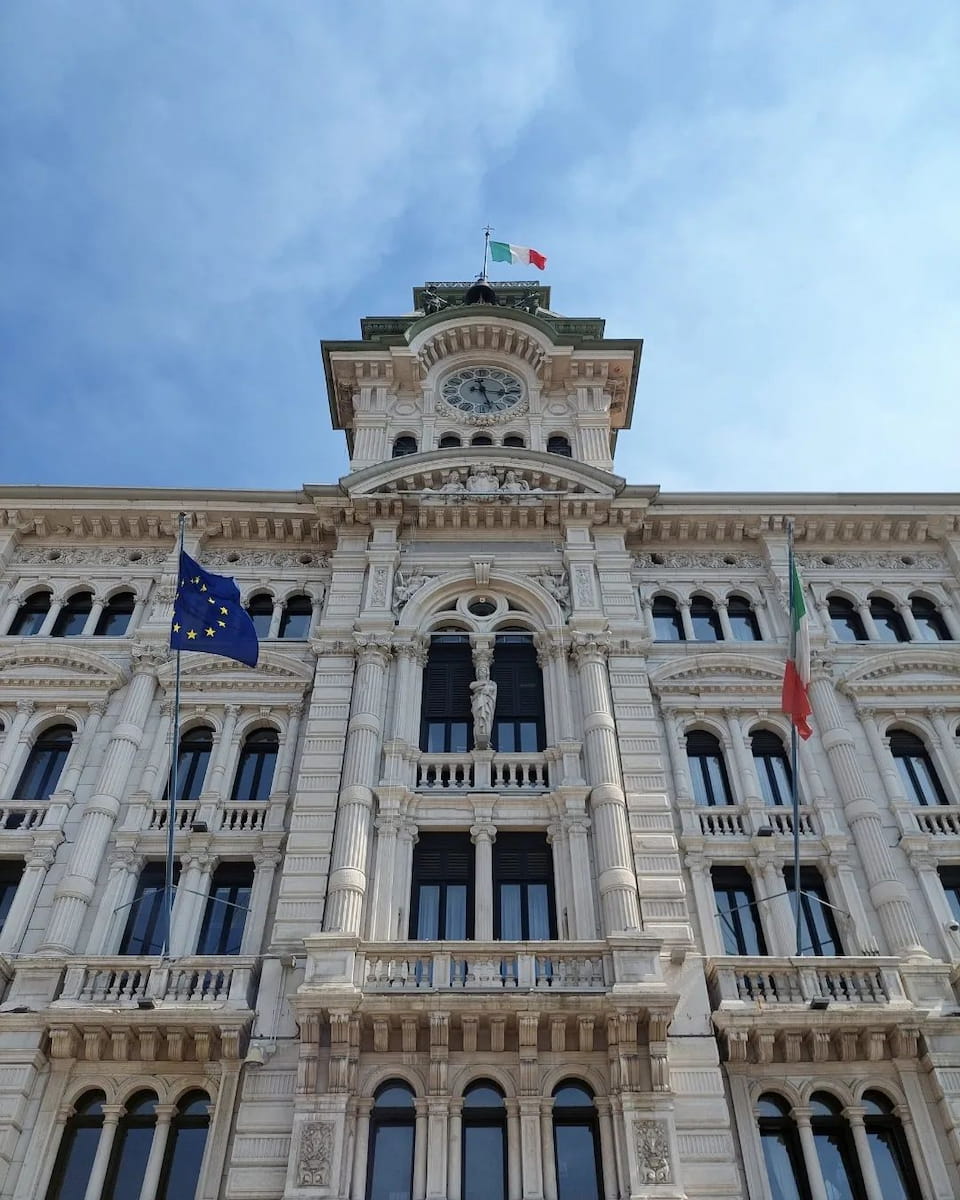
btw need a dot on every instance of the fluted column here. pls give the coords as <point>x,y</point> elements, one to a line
<point>411,658</point>
<point>265,863</point>
<point>585,923</point>
<point>483,835</point>
<point>619,899</point>
<point>213,784</point>
<point>811,1160</point>
<point>361,1145</point>
<point>407,838</point>
<point>748,778</point>
<point>196,868</point>
<point>288,750</point>
<point>124,868</point>
<point>79,753</point>
<point>151,1174</point>
<point>887,892</point>
<point>77,887</point>
<point>871,1183</point>
<point>101,1160</point>
<point>348,880</point>
<point>782,924</point>
<point>11,742</point>
<point>382,924</point>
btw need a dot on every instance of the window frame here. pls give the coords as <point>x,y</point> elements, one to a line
<point>51,771</point>
<point>483,1117</point>
<point>305,603</point>
<point>846,617</point>
<point>910,778</point>
<point>120,604</point>
<point>529,845</point>
<point>813,904</point>
<point>887,619</point>
<point>703,609</point>
<point>579,1116</point>
<point>518,677</point>
<point>234,875</point>
<point>78,604</point>
<point>32,606</point>
<point>671,613</point>
<point>770,789</point>
<point>259,608</point>
<point>707,788</point>
<point>403,445</point>
<point>423,874</point>
<point>740,609</point>
<point>249,751</point>
<point>11,875</point>
<point>932,619</point>
<point>386,1117</point>
<point>727,878</point>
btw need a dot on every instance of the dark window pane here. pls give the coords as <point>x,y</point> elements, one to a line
<point>743,620</point>
<point>260,608</point>
<point>523,888</point>
<point>297,615</point>
<point>446,717</point>
<point>115,618</point>
<point>667,624</point>
<point>131,1149</point>
<point>511,922</point>
<point>404,445</point>
<point>920,780</point>
<point>73,615</point>
<point>442,900</point>
<point>484,1162</point>
<point>183,1156</point>
<point>737,911</point>
<point>576,1162</point>
<point>950,880</point>
<point>196,746</point>
<point>11,872</point>
<point>258,758</point>
<point>226,911</point>
<point>705,620</point>
<point>78,1147</point>
<point>30,616</point>
<point>818,929</point>
<point>146,926</point>
<point>481,439</point>
<point>838,1164</point>
<point>449,441</point>
<point>519,718</point>
<point>390,1174</point>
<point>846,621</point>
<point>931,624</point>
<point>515,440</point>
<point>708,773</point>
<point>558,444</point>
<point>784,1171</point>
<point>773,767</point>
<point>41,773</point>
<point>890,624</point>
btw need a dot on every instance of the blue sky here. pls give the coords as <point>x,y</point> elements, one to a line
<point>193,195</point>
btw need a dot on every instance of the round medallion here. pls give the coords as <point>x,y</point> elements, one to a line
<point>482,391</point>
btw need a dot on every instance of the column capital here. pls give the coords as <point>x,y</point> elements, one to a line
<point>96,708</point>
<point>372,647</point>
<point>414,648</point>
<point>129,859</point>
<point>266,858</point>
<point>148,657</point>
<point>483,832</point>
<point>26,707</point>
<point>232,711</point>
<point>200,860</point>
<point>589,647</point>
<point>549,647</point>
<point>388,824</point>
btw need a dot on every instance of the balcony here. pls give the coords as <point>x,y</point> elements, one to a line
<point>942,821</point>
<point>26,815</point>
<point>766,982</point>
<point>145,815</point>
<point>129,982</point>
<point>746,821</point>
<point>482,771</point>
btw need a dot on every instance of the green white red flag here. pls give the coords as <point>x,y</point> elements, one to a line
<point>794,699</point>
<point>505,252</point>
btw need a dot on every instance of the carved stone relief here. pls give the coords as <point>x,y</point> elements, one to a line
<point>91,556</point>
<point>316,1153</point>
<point>696,560</point>
<point>872,561</point>
<point>242,560</point>
<point>653,1151</point>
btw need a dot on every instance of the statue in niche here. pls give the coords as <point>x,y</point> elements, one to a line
<point>483,704</point>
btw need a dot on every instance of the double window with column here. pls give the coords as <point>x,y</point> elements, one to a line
<point>742,917</point>
<point>224,915</point>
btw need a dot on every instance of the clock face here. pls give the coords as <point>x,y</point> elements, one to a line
<point>482,391</point>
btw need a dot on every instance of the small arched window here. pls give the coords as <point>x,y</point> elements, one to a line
<point>449,441</point>
<point>196,746</point>
<point>576,1141</point>
<point>929,620</point>
<point>390,1157</point>
<point>41,774</point>
<point>115,618</point>
<point>773,767</point>
<point>31,615</point>
<point>73,614</point>
<point>835,1147</point>
<point>260,608</point>
<point>404,445</point>
<point>782,1151</point>
<point>917,772</point>
<point>743,620</point>
<point>514,440</point>
<point>131,1148</point>
<point>705,620</point>
<point>258,758</point>
<point>296,619</point>
<point>891,626</point>
<point>481,439</point>
<point>846,621</point>
<point>78,1149</point>
<point>708,772</point>
<point>484,1139</point>
<point>889,1149</point>
<point>186,1143</point>
<point>667,623</point>
<point>558,443</point>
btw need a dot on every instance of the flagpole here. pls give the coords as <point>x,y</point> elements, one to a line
<point>488,229</point>
<point>174,773</point>
<point>794,749</point>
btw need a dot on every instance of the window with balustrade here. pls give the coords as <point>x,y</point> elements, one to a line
<point>11,872</point>
<point>773,767</point>
<point>818,926</point>
<point>737,911</point>
<point>114,620</point>
<point>441,907</point>
<point>391,1140</point>
<point>196,746</point>
<point>71,620</point>
<point>31,615</point>
<point>518,723</point>
<point>44,766</point>
<point>523,896</point>
<point>888,620</point>
<point>705,619</point>
<point>446,720</point>
<point>576,1142</point>
<point>743,620</point>
<point>667,622</point>
<point>296,618</point>
<point>225,914</point>
<point>258,759</point>
<point>929,620</point>
<point>260,611</point>
<point>917,772</point>
<point>846,622</point>
<point>483,1143</point>
<point>146,926</point>
<point>708,770</point>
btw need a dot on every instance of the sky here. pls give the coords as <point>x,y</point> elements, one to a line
<point>194,194</point>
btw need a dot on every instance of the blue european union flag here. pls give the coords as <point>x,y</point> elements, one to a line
<point>208,615</point>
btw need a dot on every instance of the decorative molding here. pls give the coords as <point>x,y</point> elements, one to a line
<point>871,561</point>
<point>653,1151</point>
<point>284,560</point>
<point>699,560</point>
<point>90,556</point>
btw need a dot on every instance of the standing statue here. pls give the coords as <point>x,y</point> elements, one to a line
<point>483,703</point>
<point>482,481</point>
<point>404,587</point>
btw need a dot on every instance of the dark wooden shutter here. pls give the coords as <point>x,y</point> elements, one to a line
<point>443,858</point>
<point>446,680</point>
<point>519,682</point>
<point>522,858</point>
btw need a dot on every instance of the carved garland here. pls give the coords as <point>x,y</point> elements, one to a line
<point>455,414</point>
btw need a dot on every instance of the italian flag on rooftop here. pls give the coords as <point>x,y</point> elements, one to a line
<point>505,252</point>
<point>794,700</point>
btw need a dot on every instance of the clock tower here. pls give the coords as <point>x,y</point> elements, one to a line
<point>482,365</point>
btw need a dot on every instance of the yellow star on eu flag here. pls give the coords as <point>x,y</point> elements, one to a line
<point>191,634</point>
<point>208,615</point>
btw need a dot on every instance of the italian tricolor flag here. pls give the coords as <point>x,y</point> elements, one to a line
<point>504,252</point>
<point>794,700</point>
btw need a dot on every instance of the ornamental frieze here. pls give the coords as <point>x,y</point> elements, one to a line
<point>244,560</point>
<point>91,556</point>
<point>696,560</point>
<point>878,561</point>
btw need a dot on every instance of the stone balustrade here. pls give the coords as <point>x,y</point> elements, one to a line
<point>24,815</point>
<point>226,817</point>
<point>941,821</point>
<point>745,821</point>
<point>766,982</point>
<point>134,981</point>
<point>482,770</point>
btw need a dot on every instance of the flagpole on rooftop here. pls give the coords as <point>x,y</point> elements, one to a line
<point>794,749</point>
<point>487,230</point>
<point>174,773</point>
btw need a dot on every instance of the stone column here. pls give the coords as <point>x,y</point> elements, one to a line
<point>358,1187</point>
<point>265,863</point>
<point>213,784</point>
<point>348,880</point>
<point>420,1150</point>
<point>726,629</point>
<point>38,861</point>
<point>11,608</point>
<point>98,1172</point>
<point>151,1174</point>
<point>93,616</point>
<point>196,868</point>
<point>677,753</point>
<point>782,924</point>
<point>619,899</point>
<point>546,1149</point>
<point>483,836</point>
<point>702,884</point>
<point>686,621</point>
<point>158,753</point>
<point>455,1150</point>
<point>905,611</point>
<point>124,868</point>
<point>562,881</point>
<point>438,1136</point>
<point>866,616</point>
<point>407,838</point>
<point>948,745</point>
<point>11,742</point>
<point>880,745</point>
<point>288,751</point>
<point>514,1180</point>
<point>887,891</point>
<point>811,1160</point>
<point>862,1143</point>
<point>56,603</point>
<point>948,611</point>
<point>646,607</point>
<point>585,912</point>
<point>748,779</point>
<point>532,1168</point>
<point>381,923</point>
<point>80,751</point>
<point>607,1149</point>
<point>411,659</point>
<point>275,619</point>
<point>76,889</point>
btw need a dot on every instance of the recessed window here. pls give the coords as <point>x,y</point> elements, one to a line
<point>484,1143</point>
<point>186,1142</point>
<point>296,618</point>
<point>404,445</point>
<point>146,927</point>
<point>390,1156</point>
<point>917,772</point>
<point>258,758</point>
<point>929,620</point>
<point>11,872</point>
<point>773,767</point>
<point>743,620</point>
<point>41,774</point>
<point>481,439</point>
<point>782,1151</point>
<point>576,1141</point>
<point>115,618</point>
<point>667,623</point>
<point>514,440</point>
<point>708,771</point>
<point>891,626</point>
<point>518,722</point>
<point>449,441</point>
<point>78,1148</point>
<point>737,911</point>
<point>226,912</point>
<point>73,614</point>
<point>30,615</point>
<point>441,906</point>
<point>131,1147</point>
<point>818,928</point>
<point>705,620</point>
<point>847,623</point>
<point>446,719</point>
<point>523,907</point>
<point>558,443</point>
<point>196,746</point>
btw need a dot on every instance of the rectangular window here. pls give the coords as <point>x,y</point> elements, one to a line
<point>11,872</point>
<point>818,929</point>
<point>446,722</point>
<point>737,911</point>
<point>518,720</point>
<point>523,903</point>
<point>950,881</point>
<point>226,912</point>
<point>442,901</point>
<point>146,924</point>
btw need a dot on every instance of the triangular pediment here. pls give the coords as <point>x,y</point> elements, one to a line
<point>61,665</point>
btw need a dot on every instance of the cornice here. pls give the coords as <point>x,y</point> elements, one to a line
<point>69,666</point>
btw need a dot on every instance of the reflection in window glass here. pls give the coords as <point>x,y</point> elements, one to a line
<point>297,615</point>
<point>390,1157</point>
<point>41,774</point>
<point>930,623</point>
<point>115,618</point>
<point>72,617</point>
<point>31,615</point>
<point>846,621</point>
<point>667,622</point>
<point>576,1144</point>
<point>260,608</point>
<point>258,758</point>
<point>186,1142</point>
<point>131,1149</point>
<point>78,1148</point>
<point>226,912</point>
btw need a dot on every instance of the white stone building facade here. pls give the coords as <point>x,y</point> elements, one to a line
<point>485,871</point>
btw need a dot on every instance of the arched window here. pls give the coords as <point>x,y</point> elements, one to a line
<point>891,626</point>
<point>297,615</point>
<point>481,439</point>
<point>41,774</point>
<point>835,1148</point>
<point>518,723</point>
<point>78,1148</point>
<point>186,1142</point>
<point>390,1156</point>
<point>576,1141</point>
<point>449,441</point>
<point>846,621</point>
<point>228,903</point>
<point>773,767</point>
<point>929,621</point>
<point>31,615</point>
<point>782,1152</point>
<point>115,618</point>
<point>72,616</point>
<point>258,758</point>
<point>446,721</point>
<point>705,620</point>
<point>131,1148</point>
<point>403,445</point>
<point>667,624</point>
<point>196,746</point>
<point>919,776</point>
<point>260,608</point>
<point>514,440</point>
<point>743,620</point>
<point>484,1133</point>
<point>708,772</point>
<point>889,1149</point>
<point>559,443</point>
<point>737,911</point>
